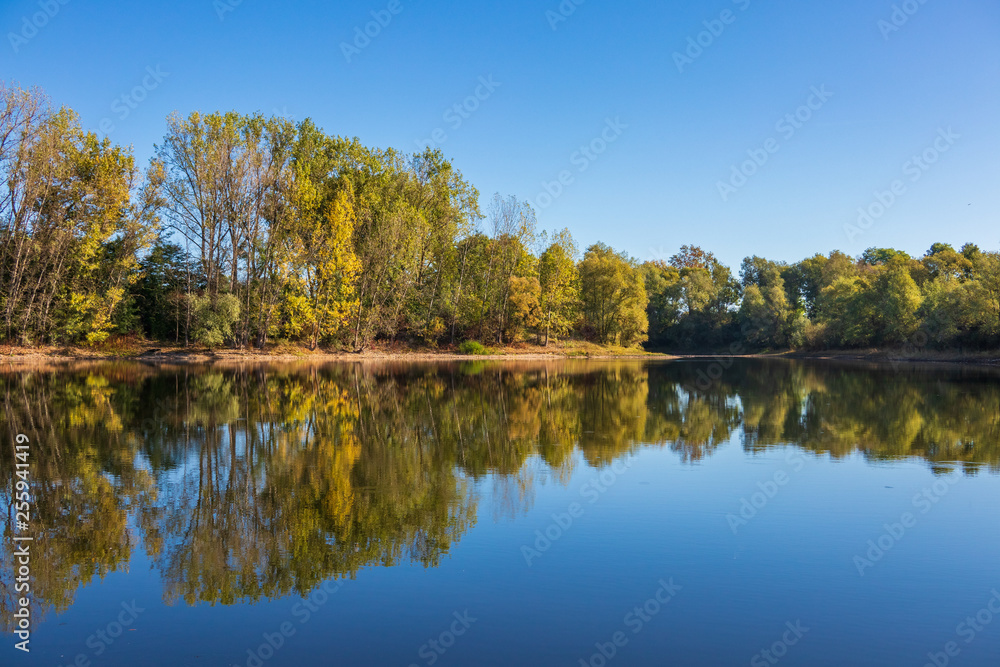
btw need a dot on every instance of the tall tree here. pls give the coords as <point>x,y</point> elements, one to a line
<point>665,308</point>
<point>897,299</point>
<point>613,296</point>
<point>326,268</point>
<point>559,286</point>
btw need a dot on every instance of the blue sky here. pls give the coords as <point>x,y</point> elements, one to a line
<point>663,132</point>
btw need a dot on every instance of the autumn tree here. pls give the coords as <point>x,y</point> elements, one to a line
<point>558,286</point>
<point>613,296</point>
<point>74,217</point>
<point>321,300</point>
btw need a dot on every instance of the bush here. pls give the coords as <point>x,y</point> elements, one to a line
<point>815,336</point>
<point>214,321</point>
<point>474,348</point>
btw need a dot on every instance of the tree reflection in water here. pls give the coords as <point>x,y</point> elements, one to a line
<point>250,482</point>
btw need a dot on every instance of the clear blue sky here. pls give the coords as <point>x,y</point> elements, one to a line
<point>655,187</point>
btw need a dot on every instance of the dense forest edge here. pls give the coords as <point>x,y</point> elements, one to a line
<point>252,235</point>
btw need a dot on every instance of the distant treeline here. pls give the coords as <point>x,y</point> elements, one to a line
<point>245,230</point>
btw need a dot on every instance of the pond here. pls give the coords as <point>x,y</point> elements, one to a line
<point>699,512</point>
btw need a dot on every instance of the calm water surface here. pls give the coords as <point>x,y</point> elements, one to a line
<point>572,513</point>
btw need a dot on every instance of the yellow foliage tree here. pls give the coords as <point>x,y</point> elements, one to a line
<point>323,298</point>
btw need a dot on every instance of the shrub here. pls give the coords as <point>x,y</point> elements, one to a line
<point>474,348</point>
<point>214,321</point>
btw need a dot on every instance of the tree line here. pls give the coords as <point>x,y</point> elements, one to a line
<point>945,299</point>
<point>245,230</point>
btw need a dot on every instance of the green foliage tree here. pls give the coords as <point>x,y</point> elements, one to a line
<point>665,308</point>
<point>942,261</point>
<point>559,291</point>
<point>214,319</point>
<point>896,301</point>
<point>613,296</point>
<point>988,274</point>
<point>159,293</point>
<point>847,310</point>
<point>768,317</point>
<point>951,311</point>
<point>707,295</point>
<point>879,256</point>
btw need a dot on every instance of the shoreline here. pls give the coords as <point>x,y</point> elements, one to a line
<point>987,359</point>
<point>190,356</point>
<point>184,356</point>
